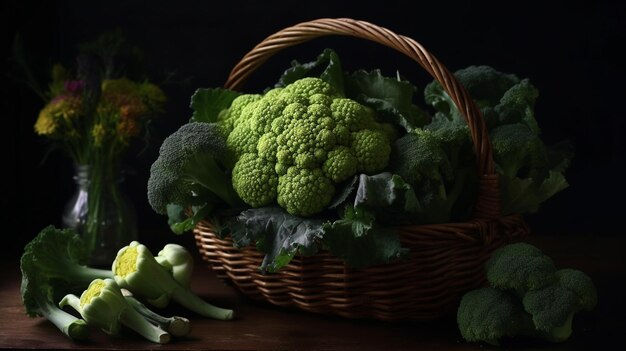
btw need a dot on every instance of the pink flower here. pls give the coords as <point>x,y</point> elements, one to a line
<point>74,87</point>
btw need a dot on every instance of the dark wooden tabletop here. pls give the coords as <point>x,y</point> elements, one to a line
<point>263,327</point>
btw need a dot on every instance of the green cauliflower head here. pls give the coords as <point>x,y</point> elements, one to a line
<point>296,143</point>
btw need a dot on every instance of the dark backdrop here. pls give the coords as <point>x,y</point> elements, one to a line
<point>571,50</point>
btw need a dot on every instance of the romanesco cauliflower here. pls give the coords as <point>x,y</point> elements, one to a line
<point>295,143</point>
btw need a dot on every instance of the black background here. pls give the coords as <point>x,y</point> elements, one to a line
<point>571,50</point>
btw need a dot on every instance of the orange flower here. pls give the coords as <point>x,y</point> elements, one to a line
<point>128,127</point>
<point>133,109</point>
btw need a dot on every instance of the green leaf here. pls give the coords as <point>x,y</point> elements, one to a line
<point>387,194</point>
<point>278,234</point>
<point>327,67</point>
<point>178,220</point>
<point>208,103</point>
<point>360,242</point>
<point>344,192</point>
<point>525,195</point>
<point>392,98</point>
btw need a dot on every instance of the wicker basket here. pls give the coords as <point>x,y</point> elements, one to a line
<point>445,260</point>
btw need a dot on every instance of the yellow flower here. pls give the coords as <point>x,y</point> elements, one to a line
<point>70,107</point>
<point>45,124</point>
<point>99,133</point>
<point>59,111</point>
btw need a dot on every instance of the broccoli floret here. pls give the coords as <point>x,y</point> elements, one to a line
<point>304,191</point>
<point>484,84</point>
<point>230,118</point>
<point>530,171</point>
<point>489,314</point>
<point>521,275</point>
<point>554,306</point>
<point>437,162</point>
<point>50,267</point>
<point>517,150</point>
<point>521,267</point>
<point>255,180</point>
<point>192,161</point>
<point>296,143</point>
<point>516,106</point>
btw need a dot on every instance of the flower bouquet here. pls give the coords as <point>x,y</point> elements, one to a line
<point>94,115</point>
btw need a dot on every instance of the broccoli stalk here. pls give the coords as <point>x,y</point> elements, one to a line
<point>136,269</point>
<point>57,253</point>
<point>36,292</point>
<point>175,325</point>
<point>50,267</point>
<point>103,305</point>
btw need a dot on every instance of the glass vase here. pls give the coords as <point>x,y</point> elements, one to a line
<point>101,213</point>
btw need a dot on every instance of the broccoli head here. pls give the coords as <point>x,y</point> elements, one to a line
<point>530,171</point>
<point>192,161</point>
<point>520,267</point>
<point>489,314</point>
<point>295,143</point>
<point>438,163</point>
<point>554,306</point>
<point>535,299</point>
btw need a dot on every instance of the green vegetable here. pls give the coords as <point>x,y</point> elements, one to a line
<point>178,261</point>
<point>530,171</point>
<point>520,267</point>
<point>50,267</point>
<point>37,297</point>
<point>438,162</point>
<point>354,236</point>
<point>192,169</point>
<point>333,160</point>
<point>176,326</point>
<point>136,269</point>
<point>528,297</point>
<point>103,305</point>
<point>489,314</point>
<point>296,143</point>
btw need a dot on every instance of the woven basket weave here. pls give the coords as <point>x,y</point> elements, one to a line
<point>445,260</point>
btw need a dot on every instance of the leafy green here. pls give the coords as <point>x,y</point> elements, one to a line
<point>387,195</point>
<point>360,242</point>
<point>51,266</point>
<point>278,234</point>
<point>208,103</point>
<point>530,171</point>
<point>392,98</point>
<point>178,220</point>
<point>355,236</point>
<point>327,66</point>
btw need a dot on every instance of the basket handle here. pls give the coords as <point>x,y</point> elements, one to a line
<point>488,199</point>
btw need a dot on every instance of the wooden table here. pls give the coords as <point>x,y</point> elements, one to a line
<point>264,327</point>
